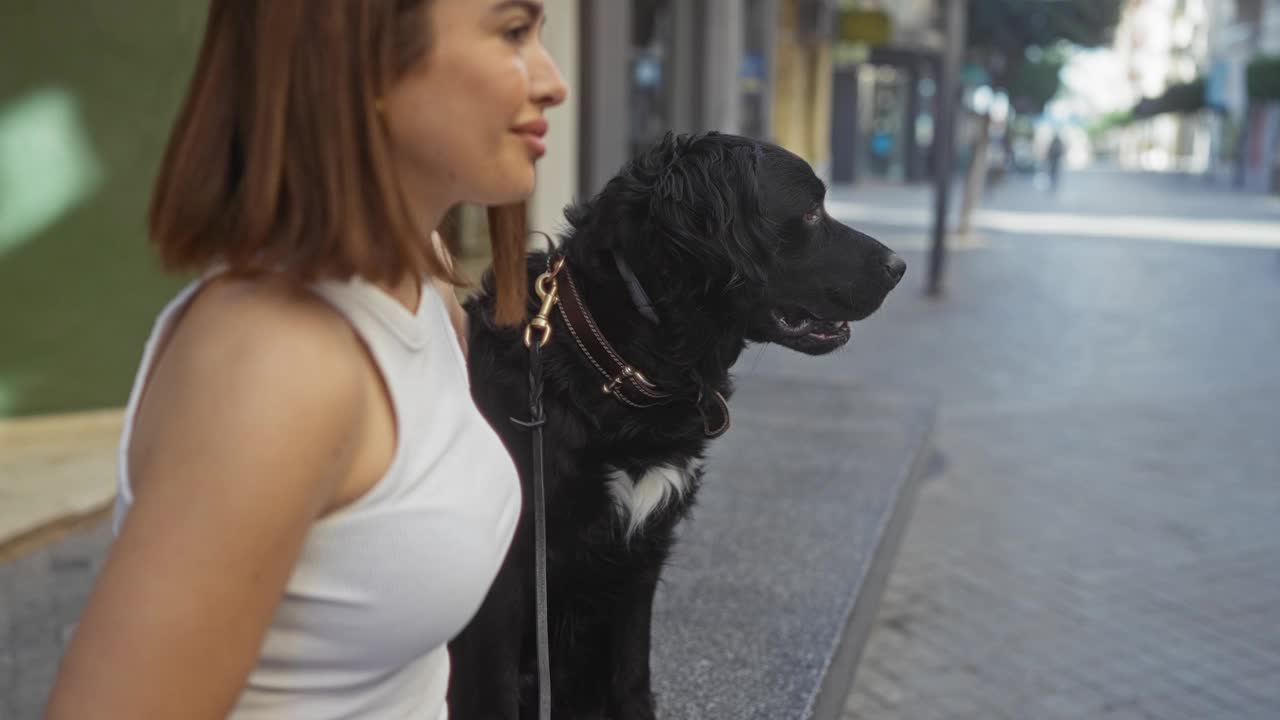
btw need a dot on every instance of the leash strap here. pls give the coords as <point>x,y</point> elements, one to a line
<point>541,323</point>
<point>715,419</point>
<point>639,297</point>
<point>621,380</point>
<point>537,420</point>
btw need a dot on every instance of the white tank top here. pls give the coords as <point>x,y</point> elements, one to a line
<point>385,582</point>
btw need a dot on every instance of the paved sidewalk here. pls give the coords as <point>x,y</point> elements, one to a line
<point>1094,204</point>
<point>41,596</point>
<point>1100,537</point>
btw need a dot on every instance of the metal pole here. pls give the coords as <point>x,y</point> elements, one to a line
<point>944,144</point>
<point>602,111</point>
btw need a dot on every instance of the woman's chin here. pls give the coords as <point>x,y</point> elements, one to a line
<point>513,186</point>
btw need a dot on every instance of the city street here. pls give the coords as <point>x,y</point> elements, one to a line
<point>1097,537</point>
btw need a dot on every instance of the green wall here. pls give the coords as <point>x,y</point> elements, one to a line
<point>88,89</point>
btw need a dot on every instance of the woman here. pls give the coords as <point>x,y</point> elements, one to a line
<point>310,505</point>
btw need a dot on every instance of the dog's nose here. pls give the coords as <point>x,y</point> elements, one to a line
<point>895,267</point>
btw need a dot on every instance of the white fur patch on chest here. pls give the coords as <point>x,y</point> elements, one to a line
<point>638,498</point>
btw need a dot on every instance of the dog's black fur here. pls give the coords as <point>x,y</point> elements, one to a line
<point>728,237</point>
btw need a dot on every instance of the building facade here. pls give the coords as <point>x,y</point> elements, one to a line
<point>1162,43</point>
<point>1234,140</point>
<point>885,74</point>
<point>640,68</point>
<point>1251,28</point>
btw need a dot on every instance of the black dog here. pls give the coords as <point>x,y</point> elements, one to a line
<point>699,246</point>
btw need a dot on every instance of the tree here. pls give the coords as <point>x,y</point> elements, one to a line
<point>1020,44</point>
<point>1033,83</point>
<point>1004,35</point>
<point>1111,121</point>
<point>1262,78</point>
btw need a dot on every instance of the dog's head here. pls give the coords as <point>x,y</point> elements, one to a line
<point>735,230</point>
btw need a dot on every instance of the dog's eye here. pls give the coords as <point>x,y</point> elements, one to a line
<point>814,216</point>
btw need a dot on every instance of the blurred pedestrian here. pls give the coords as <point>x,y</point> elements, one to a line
<point>1054,154</point>
<point>310,504</point>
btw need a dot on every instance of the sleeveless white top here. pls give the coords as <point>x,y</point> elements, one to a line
<point>385,582</point>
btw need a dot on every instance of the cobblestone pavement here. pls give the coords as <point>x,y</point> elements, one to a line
<point>1100,537</point>
<point>41,595</point>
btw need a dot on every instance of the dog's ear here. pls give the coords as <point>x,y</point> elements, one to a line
<point>705,201</point>
<point>687,209</point>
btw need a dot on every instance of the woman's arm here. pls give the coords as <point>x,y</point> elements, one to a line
<point>246,430</point>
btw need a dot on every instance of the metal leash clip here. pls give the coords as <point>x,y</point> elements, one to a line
<point>549,293</point>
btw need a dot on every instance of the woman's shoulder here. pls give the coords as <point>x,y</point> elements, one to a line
<point>259,318</point>
<point>255,372</point>
<point>267,337</point>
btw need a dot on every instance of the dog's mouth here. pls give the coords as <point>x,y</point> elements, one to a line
<point>800,330</point>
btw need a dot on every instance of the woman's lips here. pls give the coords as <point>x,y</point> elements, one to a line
<point>533,134</point>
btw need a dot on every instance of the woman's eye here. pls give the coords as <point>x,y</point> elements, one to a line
<point>518,33</point>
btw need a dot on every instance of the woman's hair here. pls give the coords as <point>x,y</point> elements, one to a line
<point>279,161</point>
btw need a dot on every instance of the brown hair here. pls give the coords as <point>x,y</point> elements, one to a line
<point>278,159</point>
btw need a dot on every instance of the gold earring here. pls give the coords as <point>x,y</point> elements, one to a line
<point>377,105</point>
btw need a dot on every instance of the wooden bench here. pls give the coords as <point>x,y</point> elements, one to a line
<point>57,473</point>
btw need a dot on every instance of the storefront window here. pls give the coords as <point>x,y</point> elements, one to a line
<point>883,142</point>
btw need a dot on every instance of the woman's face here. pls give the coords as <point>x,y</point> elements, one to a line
<point>467,123</point>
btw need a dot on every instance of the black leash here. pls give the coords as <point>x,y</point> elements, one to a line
<point>537,420</point>
<point>540,325</point>
<point>546,287</point>
<point>639,297</point>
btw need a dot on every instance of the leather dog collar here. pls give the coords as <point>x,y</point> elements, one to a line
<point>621,379</point>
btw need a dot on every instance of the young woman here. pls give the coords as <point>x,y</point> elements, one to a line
<point>310,505</point>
